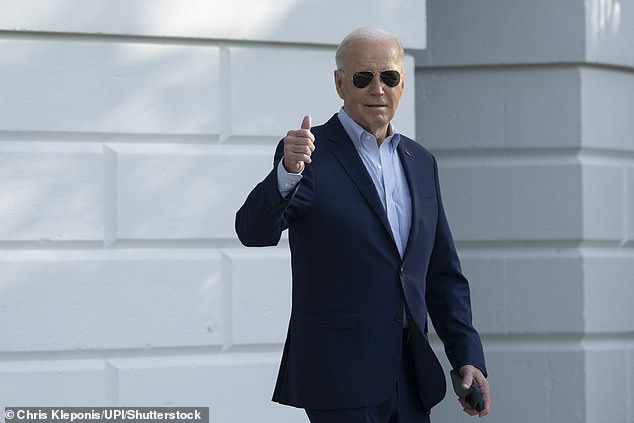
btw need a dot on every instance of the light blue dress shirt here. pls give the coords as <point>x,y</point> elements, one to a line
<point>384,167</point>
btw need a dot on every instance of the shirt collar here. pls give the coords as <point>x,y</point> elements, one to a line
<point>357,133</point>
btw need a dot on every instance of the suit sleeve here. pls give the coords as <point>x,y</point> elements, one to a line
<point>448,297</point>
<point>265,214</point>
<point>259,222</point>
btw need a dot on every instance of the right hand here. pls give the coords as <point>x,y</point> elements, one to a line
<point>471,374</point>
<point>298,147</point>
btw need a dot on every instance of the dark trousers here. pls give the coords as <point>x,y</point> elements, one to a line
<point>403,406</point>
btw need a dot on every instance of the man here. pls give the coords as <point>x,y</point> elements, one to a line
<point>371,255</point>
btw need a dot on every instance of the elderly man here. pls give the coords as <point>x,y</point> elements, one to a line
<point>372,255</point>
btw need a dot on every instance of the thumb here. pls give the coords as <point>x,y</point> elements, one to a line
<point>467,381</point>
<point>306,122</point>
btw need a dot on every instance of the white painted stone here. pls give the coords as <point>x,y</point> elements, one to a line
<point>284,21</point>
<point>54,383</point>
<point>460,110</point>
<point>503,31</point>
<point>272,89</point>
<point>498,108</point>
<point>488,283</point>
<point>506,290</point>
<point>606,379</point>
<point>545,295</point>
<point>630,379</point>
<point>603,202</point>
<point>237,387</point>
<point>51,195</point>
<point>530,382</point>
<point>170,71</point>
<point>609,33</point>
<point>566,384</point>
<point>108,86</point>
<point>507,200</point>
<point>59,303</point>
<point>260,286</point>
<point>542,108</point>
<point>629,205</point>
<point>541,397</point>
<point>181,192</point>
<point>607,99</point>
<point>608,292</point>
<point>549,112</point>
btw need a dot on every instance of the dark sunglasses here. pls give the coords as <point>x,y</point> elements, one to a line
<point>391,78</point>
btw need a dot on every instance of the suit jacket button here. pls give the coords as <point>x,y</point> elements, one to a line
<point>399,318</point>
<point>401,272</point>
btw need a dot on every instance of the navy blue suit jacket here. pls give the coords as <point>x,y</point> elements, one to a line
<point>343,346</point>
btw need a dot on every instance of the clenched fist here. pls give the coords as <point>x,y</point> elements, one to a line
<point>298,147</point>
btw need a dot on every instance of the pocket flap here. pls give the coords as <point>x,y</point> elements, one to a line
<point>330,319</point>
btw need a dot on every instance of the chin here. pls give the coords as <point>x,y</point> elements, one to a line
<point>379,122</point>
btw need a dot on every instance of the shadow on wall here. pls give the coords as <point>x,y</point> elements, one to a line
<point>76,96</point>
<point>120,125</point>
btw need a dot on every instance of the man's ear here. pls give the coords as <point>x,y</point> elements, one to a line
<point>339,82</point>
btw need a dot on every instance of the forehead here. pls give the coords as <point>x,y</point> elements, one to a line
<point>372,55</point>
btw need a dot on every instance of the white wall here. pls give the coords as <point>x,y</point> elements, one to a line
<point>130,133</point>
<point>122,282</point>
<point>528,106</point>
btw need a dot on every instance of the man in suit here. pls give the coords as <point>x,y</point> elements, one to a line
<point>371,252</point>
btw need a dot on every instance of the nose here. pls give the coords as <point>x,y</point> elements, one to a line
<point>376,86</point>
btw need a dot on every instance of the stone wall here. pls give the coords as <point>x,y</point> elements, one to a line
<point>130,133</point>
<point>528,106</point>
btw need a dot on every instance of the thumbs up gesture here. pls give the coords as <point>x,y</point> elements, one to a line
<point>299,145</point>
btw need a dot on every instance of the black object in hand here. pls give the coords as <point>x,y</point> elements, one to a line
<point>473,395</point>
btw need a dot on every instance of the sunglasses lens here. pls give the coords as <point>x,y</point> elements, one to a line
<point>362,79</point>
<point>391,78</point>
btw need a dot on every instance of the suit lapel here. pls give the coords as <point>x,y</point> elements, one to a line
<point>347,155</point>
<point>408,161</point>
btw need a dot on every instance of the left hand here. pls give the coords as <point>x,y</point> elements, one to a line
<point>471,374</point>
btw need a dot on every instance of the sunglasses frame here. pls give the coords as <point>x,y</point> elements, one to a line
<point>382,76</point>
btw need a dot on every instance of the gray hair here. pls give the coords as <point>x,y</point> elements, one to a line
<point>367,34</point>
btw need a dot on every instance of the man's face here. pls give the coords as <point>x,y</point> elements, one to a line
<point>374,106</point>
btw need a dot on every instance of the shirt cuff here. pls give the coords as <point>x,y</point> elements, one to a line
<point>287,182</point>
